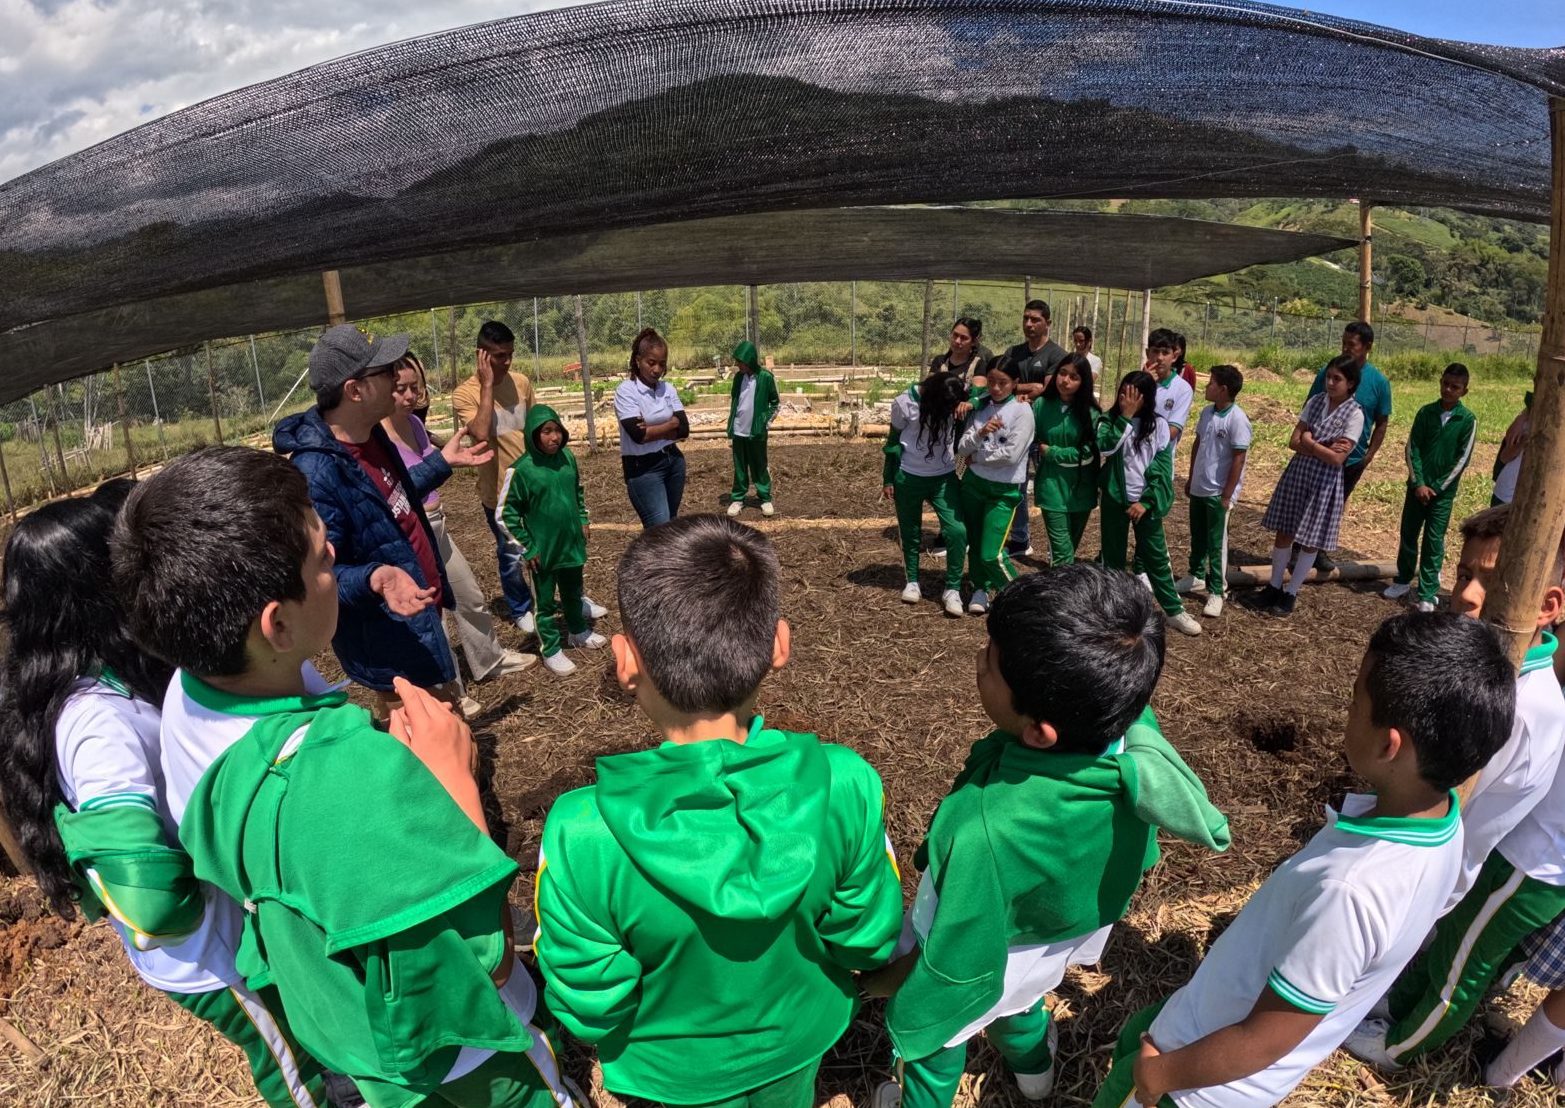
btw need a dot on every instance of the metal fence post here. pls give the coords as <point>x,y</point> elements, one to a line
<point>853,324</point>
<point>157,420</point>
<point>535,334</point>
<point>255,364</point>
<point>211,384</point>
<point>451,334</point>
<point>119,406</point>
<point>434,342</point>
<point>586,373</point>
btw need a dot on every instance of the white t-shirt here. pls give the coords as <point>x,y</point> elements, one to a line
<point>744,414</point>
<point>917,459</point>
<point>1521,774</point>
<point>1137,458</point>
<point>999,455</point>
<point>1097,367</point>
<point>106,750</point>
<point>1221,433</point>
<point>1174,397</point>
<point>1328,932</point>
<point>633,400</point>
<point>1505,484</point>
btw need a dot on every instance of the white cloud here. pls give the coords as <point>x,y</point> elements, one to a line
<point>76,72</point>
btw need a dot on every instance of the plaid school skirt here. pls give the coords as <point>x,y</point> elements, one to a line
<point>1545,953</point>
<point>1307,503</point>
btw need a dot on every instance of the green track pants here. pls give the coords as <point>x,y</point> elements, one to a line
<point>551,608</point>
<point>750,466</point>
<point>1151,550</point>
<point>944,495</point>
<point>1436,995</point>
<point>796,1090</point>
<point>988,509</point>
<point>1119,1087</point>
<point>1424,559</point>
<point>1065,530</point>
<point>284,1075</point>
<point>1022,1040</point>
<point>1209,542</point>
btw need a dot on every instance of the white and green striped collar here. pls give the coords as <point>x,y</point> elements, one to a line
<point>1408,831</point>
<point>111,681</point>
<point>232,704</point>
<point>1542,655</point>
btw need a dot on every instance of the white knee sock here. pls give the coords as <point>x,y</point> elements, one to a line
<point>1537,1039</point>
<point>1279,564</point>
<point>1301,570</point>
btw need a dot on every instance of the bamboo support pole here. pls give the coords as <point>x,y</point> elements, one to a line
<point>13,846</point>
<point>753,315</point>
<point>335,312</point>
<point>1366,260</point>
<point>586,373</point>
<point>5,478</point>
<point>929,307</point>
<point>1537,519</point>
<point>1146,321</point>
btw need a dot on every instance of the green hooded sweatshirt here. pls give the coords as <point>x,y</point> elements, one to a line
<point>766,399</point>
<point>701,907</point>
<point>1068,469</point>
<point>541,502</point>
<point>1031,847</point>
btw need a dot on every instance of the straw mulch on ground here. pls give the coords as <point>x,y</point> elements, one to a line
<point>1257,707</point>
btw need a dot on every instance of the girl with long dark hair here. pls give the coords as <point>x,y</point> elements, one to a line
<point>920,468</point>
<point>963,357</point>
<point>1138,490</point>
<point>652,421</point>
<point>81,781</point>
<point>996,442</point>
<point>1066,488</point>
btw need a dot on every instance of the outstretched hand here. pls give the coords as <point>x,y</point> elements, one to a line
<point>400,592</point>
<point>440,739</point>
<point>458,455</point>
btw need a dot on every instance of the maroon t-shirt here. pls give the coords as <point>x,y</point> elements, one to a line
<point>372,458</point>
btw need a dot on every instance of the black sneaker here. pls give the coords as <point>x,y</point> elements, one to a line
<point>1325,562</point>
<point>1260,601</point>
<point>1282,607</point>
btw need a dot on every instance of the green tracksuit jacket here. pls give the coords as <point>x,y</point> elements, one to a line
<point>1034,847</point>
<point>766,402</point>
<point>541,501</point>
<point>1068,471</point>
<point>1437,452</point>
<point>701,907</point>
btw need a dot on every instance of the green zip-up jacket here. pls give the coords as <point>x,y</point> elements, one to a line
<point>701,907</point>
<point>1157,492</point>
<point>1068,470</point>
<point>767,402</point>
<point>124,866</point>
<point>1437,452</point>
<point>373,903</point>
<point>1035,847</point>
<point>542,505</point>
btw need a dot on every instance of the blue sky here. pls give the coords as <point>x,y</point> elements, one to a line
<point>1506,22</point>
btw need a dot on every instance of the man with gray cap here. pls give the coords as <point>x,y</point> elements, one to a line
<point>390,583</point>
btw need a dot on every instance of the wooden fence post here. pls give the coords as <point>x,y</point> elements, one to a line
<point>1366,260</point>
<point>211,385</point>
<point>119,404</point>
<point>586,371</point>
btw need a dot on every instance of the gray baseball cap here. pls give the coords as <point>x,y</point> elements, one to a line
<point>345,352</point>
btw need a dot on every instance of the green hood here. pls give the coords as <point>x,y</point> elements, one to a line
<point>537,416</point>
<point>693,819</point>
<point>746,354</point>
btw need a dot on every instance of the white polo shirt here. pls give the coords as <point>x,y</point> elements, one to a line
<point>1221,433</point>
<point>1520,776</point>
<point>917,459</point>
<point>1536,846</point>
<point>1328,932</point>
<point>634,400</point>
<point>1174,398</point>
<point>106,754</point>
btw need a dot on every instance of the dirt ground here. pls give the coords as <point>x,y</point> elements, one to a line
<point>1255,705</point>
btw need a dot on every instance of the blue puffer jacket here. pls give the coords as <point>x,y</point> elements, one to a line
<point>372,643</point>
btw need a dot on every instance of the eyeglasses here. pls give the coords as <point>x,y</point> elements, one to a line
<point>379,371</point>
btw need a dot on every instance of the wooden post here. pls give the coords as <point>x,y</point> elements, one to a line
<point>1026,289</point>
<point>1124,325</point>
<point>1366,261</point>
<point>853,324</point>
<point>753,316</point>
<point>119,404</point>
<point>13,847</point>
<point>586,372</point>
<point>211,384</point>
<point>335,312</point>
<point>5,478</point>
<point>59,447</point>
<point>1537,518</point>
<point>929,305</point>
<point>451,341</point>
<point>1146,319</point>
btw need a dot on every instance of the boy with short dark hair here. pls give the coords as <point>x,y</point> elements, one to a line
<point>1174,393</point>
<point>382,930</point>
<point>701,908</point>
<point>1316,944</point>
<point>543,508</point>
<point>1438,450</point>
<point>1044,837</point>
<point>1222,443</point>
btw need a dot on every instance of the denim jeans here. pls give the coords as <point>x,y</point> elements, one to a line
<point>656,484</point>
<point>513,575</point>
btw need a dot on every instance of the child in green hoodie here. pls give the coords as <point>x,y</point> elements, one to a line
<point>753,404</point>
<point>702,908</point>
<point>543,508</point>
<point>1042,841</point>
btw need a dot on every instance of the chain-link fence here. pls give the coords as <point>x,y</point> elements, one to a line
<point>72,435</point>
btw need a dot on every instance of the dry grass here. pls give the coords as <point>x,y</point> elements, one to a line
<point>1256,706</point>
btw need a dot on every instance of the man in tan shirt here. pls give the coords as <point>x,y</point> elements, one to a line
<point>492,406</point>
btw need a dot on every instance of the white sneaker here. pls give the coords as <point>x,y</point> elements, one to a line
<point>558,664</point>
<point>1396,591</point>
<point>592,609</point>
<point>1424,606</point>
<point>735,507</point>
<point>1189,584</point>
<point>469,708</point>
<point>979,604</point>
<point>888,1094</point>
<point>938,552</point>
<point>1214,607</point>
<point>768,509</point>
<point>527,623</point>
<point>1184,623</point>
<point>911,594</point>
<point>1381,1009</point>
<point>952,601</point>
<point>1367,1043</point>
<point>1145,580</point>
<point>1037,1086</point>
<point>589,640</point>
<point>512,661</point>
